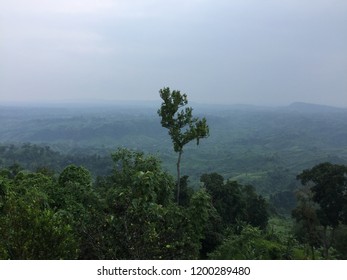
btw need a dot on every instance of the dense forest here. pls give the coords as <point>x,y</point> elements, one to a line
<point>99,182</point>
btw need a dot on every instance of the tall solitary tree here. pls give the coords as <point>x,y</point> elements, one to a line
<point>182,126</point>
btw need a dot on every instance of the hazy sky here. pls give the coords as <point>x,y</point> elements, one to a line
<point>217,51</point>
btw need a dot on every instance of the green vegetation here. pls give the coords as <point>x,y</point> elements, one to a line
<point>322,208</point>
<point>183,128</point>
<point>257,189</point>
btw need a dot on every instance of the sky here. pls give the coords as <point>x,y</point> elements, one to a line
<point>258,52</point>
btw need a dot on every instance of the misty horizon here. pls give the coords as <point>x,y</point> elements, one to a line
<point>90,103</point>
<point>217,52</point>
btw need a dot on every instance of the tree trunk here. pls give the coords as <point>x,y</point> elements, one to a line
<point>325,243</point>
<point>178,176</point>
<point>312,253</point>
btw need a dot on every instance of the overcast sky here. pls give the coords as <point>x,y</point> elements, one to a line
<point>217,51</point>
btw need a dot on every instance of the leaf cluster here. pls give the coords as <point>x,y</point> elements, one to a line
<point>182,126</point>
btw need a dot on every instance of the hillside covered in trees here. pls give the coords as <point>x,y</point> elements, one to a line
<point>87,182</point>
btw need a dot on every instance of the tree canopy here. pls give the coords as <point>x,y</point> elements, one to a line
<point>324,203</point>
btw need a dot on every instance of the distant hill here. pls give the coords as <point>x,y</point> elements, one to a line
<point>316,108</point>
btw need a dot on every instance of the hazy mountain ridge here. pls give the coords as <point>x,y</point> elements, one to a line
<point>309,107</point>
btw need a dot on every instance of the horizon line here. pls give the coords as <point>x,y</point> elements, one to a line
<point>144,102</point>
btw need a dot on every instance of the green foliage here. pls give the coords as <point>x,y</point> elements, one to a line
<point>128,215</point>
<point>132,215</point>
<point>250,244</point>
<point>329,191</point>
<point>307,224</point>
<point>283,202</point>
<point>47,160</point>
<point>236,203</point>
<point>186,191</point>
<point>75,175</point>
<point>80,203</point>
<point>236,206</point>
<point>29,229</point>
<point>340,242</point>
<point>322,207</point>
<point>150,181</point>
<point>182,127</point>
<point>257,213</point>
<point>140,205</point>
